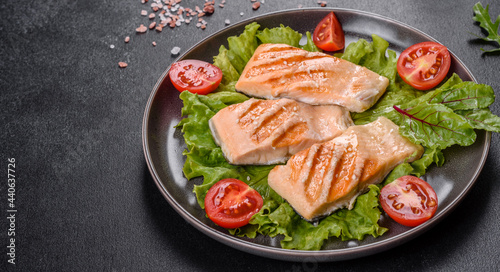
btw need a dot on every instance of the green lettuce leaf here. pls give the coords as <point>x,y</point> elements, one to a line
<point>418,167</point>
<point>229,72</point>
<point>241,47</point>
<point>309,45</point>
<point>345,224</point>
<point>280,34</point>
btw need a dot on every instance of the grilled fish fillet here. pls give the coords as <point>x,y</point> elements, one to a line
<point>329,176</point>
<point>279,70</point>
<point>265,132</point>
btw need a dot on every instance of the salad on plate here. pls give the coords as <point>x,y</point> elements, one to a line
<point>431,107</point>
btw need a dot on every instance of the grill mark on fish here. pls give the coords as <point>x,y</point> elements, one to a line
<point>269,119</point>
<point>268,125</point>
<point>313,189</point>
<point>344,171</point>
<point>289,136</point>
<point>271,65</point>
<point>253,110</point>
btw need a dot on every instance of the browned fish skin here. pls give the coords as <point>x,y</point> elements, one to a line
<point>330,175</point>
<point>279,70</point>
<point>271,131</point>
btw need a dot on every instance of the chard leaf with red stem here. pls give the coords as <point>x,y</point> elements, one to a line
<point>434,126</point>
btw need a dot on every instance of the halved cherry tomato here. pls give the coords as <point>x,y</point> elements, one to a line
<point>409,200</point>
<point>195,76</point>
<point>424,65</point>
<point>328,34</point>
<point>231,203</point>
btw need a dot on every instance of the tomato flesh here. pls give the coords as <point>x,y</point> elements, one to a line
<point>195,76</point>
<point>231,203</point>
<point>409,200</point>
<point>424,65</point>
<point>328,34</point>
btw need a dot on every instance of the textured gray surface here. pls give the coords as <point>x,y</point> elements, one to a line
<point>72,120</point>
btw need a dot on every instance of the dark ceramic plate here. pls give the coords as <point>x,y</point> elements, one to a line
<point>163,144</point>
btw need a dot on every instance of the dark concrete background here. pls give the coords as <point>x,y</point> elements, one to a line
<point>72,120</point>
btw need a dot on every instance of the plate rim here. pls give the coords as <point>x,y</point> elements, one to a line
<point>292,254</point>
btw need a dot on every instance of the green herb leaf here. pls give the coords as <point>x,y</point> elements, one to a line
<point>482,16</point>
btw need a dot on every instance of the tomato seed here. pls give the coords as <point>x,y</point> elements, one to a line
<point>415,210</point>
<point>391,196</point>
<point>432,203</point>
<point>398,205</point>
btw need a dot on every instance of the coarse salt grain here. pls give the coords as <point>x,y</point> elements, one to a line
<point>127,39</point>
<point>141,29</point>
<point>154,43</point>
<point>175,50</point>
<point>227,21</point>
<point>112,46</point>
